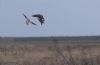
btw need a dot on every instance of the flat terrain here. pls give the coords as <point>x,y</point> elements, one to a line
<point>50,51</point>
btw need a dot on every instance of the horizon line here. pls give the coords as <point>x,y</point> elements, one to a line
<point>48,36</point>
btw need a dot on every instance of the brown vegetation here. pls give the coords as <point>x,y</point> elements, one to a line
<point>54,53</point>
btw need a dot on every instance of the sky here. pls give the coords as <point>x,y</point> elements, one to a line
<point>62,18</point>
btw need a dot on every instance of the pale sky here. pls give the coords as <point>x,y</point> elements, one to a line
<point>62,17</point>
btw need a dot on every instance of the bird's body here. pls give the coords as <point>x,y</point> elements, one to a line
<point>28,20</point>
<point>40,18</point>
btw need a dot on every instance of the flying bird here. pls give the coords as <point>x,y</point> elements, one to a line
<point>39,17</point>
<point>28,20</point>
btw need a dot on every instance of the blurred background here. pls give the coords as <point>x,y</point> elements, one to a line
<point>62,18</point>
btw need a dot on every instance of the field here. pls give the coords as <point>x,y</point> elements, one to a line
<point>50,51</point>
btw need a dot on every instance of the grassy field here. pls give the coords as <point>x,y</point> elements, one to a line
<point>51,52</point>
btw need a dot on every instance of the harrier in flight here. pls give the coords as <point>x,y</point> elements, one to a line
<point>39,17</point>
<point>28,20</point>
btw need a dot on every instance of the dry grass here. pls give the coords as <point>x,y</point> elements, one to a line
<point>50,54</point>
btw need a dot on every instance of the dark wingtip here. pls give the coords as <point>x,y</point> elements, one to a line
<point>23,13</point>
<point>34,23</point>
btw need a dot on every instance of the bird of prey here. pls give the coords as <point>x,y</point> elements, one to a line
<point>28,20</point>
<point>39,17</point>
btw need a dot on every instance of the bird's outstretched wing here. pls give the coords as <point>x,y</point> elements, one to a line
<point>40,18</point>
<point>38,15</point>
<point>28,20</point>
